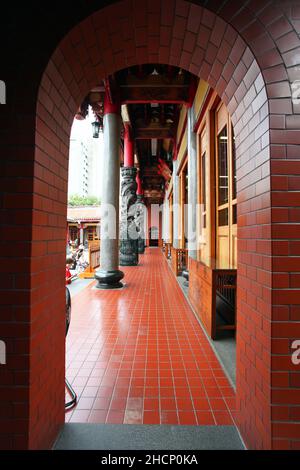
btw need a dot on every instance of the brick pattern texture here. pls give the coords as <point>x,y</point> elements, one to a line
<point>250,55</point>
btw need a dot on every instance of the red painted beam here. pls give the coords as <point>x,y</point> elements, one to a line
<point>109,106</point>
<point>155,101</point>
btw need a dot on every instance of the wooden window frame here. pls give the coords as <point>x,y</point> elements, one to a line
<point>225,260</point>
<point>182,196</point>
<point>171,217</point>
<point>207,122</point>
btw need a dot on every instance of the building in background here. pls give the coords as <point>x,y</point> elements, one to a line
<point>78,167</point>
<point>84,160</point>
<point>83,224</point>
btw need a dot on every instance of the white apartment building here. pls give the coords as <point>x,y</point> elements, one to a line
<point>84,160</point>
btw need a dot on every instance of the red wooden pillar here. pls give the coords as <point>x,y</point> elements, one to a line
<point>139,190</point>
<point>128,147</point>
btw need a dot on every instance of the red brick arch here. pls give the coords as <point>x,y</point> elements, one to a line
<point>249,55</point>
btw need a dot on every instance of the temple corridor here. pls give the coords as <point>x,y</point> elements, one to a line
<point>196,105</point>
<point>138,355</point>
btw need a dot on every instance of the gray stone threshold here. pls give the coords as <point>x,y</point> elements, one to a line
<point>77,436</point>
<point>77,285</point>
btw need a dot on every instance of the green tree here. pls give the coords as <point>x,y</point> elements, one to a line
<point>76,200</point>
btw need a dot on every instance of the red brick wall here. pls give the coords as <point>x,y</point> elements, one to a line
<point>200,292</point>
<point>249,55</point>
<point>47,345</point>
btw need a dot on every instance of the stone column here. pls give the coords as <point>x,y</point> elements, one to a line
<point>176,182</point>
<point>192,185</point>
<point>109,275</point>
<point>164,228</point>
<point>128,229</point>
<point>140,214</point>
<point>170,240</point>
<point>167,221</point>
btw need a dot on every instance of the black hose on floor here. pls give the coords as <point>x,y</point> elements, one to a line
<point>70,404</point>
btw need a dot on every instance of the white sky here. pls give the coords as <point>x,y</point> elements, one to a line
<point>83,129</point>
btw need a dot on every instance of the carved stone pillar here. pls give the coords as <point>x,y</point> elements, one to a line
<point>140,212</point>
<point>128,230</point>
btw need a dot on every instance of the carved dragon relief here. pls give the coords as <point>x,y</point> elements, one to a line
<point>128,198</point>
<point>140,217</point>
<point>128,244</point>
<point>140,214</point>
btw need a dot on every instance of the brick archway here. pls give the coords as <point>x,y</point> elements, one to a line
<point>249,56</point>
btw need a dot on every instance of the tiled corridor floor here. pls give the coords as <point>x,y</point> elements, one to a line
<point>139,356</point>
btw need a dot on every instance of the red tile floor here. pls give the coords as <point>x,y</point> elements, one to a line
<point>138,355</point>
